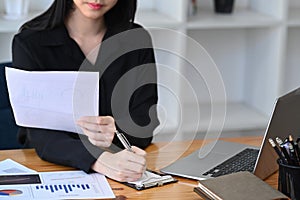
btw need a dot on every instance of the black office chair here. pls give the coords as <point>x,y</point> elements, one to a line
<point>8,127</point>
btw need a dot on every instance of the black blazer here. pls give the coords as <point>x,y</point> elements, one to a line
<point>55,50</point>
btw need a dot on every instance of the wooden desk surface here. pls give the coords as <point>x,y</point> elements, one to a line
<point>159,155</point>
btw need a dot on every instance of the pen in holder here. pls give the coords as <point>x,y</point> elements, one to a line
<point>289,180</point>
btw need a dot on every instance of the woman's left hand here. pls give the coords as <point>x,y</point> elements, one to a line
<point>99,129</point>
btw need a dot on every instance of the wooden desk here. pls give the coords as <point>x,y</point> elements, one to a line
<point>159,155</point>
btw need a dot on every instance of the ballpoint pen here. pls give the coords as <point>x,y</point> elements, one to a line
<point>297,146</point>
<point>279,153</point>
<point>283,150</point>
<point>124,140</point>
<point>293,150</point>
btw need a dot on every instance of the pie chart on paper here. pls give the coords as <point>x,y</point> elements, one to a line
<point>10,192</point>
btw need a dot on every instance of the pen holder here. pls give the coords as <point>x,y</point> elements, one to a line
<point>289,180</point>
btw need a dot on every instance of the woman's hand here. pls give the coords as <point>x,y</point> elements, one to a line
<point>100,130</point>
<point>124,166</point>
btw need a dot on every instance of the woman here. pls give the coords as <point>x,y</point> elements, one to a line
<point>61,39</point>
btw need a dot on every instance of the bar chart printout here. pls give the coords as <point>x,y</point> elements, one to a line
<point>62,185</point>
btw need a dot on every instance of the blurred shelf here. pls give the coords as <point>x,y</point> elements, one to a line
<point>13,25</point>
<point>239,116</point>
<point>294,17</point>
<point>240,18</point>
<point>154,19</point>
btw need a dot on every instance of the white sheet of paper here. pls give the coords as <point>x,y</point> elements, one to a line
<point>62,185</point>
<point>147,176</point>
<point>150,177</point>
<point>9,166</point>
<point>52,99</point>
<point>72,185</point>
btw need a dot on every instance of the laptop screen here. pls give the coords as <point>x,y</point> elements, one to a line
<point>285,121</point>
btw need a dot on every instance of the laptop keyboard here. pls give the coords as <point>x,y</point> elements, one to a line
<point>243,161</point>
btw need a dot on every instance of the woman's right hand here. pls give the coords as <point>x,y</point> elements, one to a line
<point>124,166</point>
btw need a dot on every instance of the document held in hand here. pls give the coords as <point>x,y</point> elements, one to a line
<point>51,99</point>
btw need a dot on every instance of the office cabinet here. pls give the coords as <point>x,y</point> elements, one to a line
<point>255,49</point>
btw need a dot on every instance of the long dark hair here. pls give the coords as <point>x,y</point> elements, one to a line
<point>121,14</point>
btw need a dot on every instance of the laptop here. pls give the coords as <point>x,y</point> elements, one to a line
<point>285,120</point>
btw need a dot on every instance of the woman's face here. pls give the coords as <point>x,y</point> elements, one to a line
<point>94,9</point>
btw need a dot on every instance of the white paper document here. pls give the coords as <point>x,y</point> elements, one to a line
<point>52,99</point>
<point>9,166</point>
<point>61,185</point>
<point>150,179</point>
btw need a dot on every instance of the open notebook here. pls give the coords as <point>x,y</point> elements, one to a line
<point>151,179</point>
